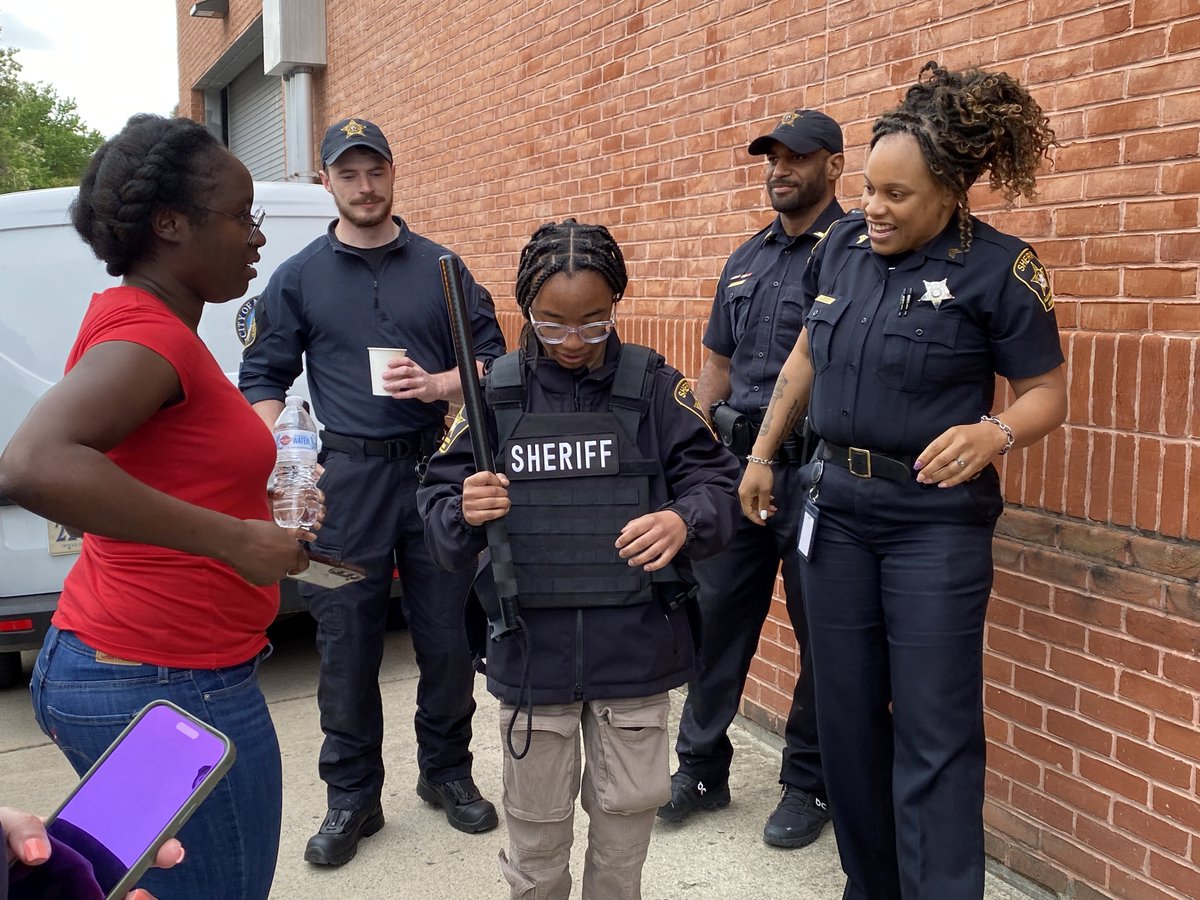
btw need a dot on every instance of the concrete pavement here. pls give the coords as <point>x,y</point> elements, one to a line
<point>715,856</point>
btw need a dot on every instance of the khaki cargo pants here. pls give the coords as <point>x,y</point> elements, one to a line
<point>624,780</point>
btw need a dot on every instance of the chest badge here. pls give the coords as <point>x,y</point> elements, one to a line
<point>936,293</point>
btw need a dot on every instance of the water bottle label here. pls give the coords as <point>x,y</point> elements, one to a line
<point>295,440</point>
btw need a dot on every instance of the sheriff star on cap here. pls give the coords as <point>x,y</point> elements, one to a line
<point>801,131</point>
<point>353,132</point>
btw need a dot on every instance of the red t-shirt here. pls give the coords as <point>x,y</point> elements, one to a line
<point>148,603</point>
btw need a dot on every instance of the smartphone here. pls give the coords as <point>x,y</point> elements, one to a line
<point>139,793</point>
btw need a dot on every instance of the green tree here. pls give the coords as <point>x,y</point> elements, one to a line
<point>43,141</point>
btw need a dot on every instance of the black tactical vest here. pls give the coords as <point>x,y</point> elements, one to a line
<point>575,480</point>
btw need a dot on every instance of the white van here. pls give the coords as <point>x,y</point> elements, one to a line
<point>47,277</point>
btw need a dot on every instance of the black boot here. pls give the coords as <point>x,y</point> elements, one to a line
<point>337,840</point>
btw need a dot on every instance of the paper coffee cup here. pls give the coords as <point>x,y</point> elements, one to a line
<point>379,357</point>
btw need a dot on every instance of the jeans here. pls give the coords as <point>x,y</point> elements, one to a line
<point>233,839</point>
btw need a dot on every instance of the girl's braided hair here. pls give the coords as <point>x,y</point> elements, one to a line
<point>968,122</point>
<point>151,164</point>
<point>567,246</point>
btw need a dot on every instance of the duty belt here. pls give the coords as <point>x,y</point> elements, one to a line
<point>868,463</point>
<point>416,443</point>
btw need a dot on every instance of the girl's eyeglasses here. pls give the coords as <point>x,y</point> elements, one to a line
<point>555,333</point>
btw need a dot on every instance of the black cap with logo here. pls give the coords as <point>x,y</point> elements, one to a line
<point>353,132</point>
<point>801,131</point>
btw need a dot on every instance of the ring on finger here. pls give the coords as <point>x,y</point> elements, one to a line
<point>962,463</point>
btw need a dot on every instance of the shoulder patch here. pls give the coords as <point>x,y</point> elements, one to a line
<point>245,322</point>
<point>686,398</point>
<point>457,427</point>
<point>1029,270</point>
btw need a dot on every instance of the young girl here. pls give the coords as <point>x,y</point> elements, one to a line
<point>606,470</point>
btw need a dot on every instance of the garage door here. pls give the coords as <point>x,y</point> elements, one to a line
<point>256,122</point>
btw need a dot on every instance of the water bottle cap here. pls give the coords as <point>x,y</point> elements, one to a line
<point>294,400</point>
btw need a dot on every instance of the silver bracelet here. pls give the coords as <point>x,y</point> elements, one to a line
<point>1008,432</point>
<point>751,458</point>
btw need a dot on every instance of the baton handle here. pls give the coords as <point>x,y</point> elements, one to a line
<point>473,408</point>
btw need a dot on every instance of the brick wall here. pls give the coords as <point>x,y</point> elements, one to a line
<point>636,114</point>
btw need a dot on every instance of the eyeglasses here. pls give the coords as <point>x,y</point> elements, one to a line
<point>554,333</point>
<point>253,219</point>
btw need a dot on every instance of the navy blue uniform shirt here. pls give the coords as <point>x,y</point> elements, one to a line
<point>757,312</point>
<point>329,303</point>
<point>901,354</point>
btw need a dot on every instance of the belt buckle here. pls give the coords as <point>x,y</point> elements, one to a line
<point>858,461</point>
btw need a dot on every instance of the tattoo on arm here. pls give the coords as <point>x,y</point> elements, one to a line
<point>791,415</point>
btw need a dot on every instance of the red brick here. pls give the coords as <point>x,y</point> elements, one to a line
<point>1183,878</point>
<point>1119,117</point>
<point>1160,146</point>
<point>1156,695</point>
<point>1013,706</point>
<point>1078,733</point>
<point>1120,509</point>
<point>1162,768</point>
<point>1131,654</point>
<point>1183,317</point>
<point>1124,317</point>
<point>1013,765</point>
<point>1076,859</point>
<point>1084,220</point>
<point>1182,808</point>
<point>1110,842</point>
<point>1042,808</point>
<point>1154,829</point>
<point>1135,886</point>
<point>1115,714</point>
<point>1129,351</point>
<point>1117,780</point>
<point>1167,632</point>
<point>1183,35</point>
<point>1038,746</point>
<point>1161,282</point>
<point>1078,794</point>
<point>1184,740</point>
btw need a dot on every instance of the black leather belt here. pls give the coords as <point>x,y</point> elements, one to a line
<point>418,443</point>
<point>868,463</point>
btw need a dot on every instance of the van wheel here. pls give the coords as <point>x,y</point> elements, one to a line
<point>10,669</point>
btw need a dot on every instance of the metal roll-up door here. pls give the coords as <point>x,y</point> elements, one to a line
<point>256,122</point>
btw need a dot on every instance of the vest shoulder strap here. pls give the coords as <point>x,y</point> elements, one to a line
<point>506,394</point>
<point>633,385</point>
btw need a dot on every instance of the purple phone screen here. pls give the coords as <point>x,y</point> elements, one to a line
<point>132,797</point>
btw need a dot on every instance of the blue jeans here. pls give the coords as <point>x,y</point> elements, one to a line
<point>233,839</point>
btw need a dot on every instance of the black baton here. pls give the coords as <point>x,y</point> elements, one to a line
<point>502,619</point>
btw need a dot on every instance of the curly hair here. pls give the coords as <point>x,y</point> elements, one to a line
<point>153,163</point>
<point>568,246</point>
<point>968,122</point>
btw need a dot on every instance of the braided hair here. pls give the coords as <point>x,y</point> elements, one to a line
<point>567,246</point>
<point>153,163</point>
<point>969,121</point>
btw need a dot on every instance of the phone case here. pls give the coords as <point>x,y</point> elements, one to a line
<point>198,794</point>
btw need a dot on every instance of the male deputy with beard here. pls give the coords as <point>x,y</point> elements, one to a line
<point>755,319</point>
<point>370,281</point>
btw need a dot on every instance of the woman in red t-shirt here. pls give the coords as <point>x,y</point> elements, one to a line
<point>148,448</point>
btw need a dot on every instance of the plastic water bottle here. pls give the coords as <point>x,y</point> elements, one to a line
<point>295,475</point>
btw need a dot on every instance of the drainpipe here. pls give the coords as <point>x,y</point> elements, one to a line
<point>298,100</point>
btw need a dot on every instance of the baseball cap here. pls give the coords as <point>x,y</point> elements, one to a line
<point>801,131</point>
<point>353,132</point>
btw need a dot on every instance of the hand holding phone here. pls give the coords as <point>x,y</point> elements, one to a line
<point>119,819</point>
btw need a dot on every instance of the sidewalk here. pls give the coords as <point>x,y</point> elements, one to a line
<point>417,856</point>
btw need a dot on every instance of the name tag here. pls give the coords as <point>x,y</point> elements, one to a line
<point>562,457</point>
<point>808,529</point>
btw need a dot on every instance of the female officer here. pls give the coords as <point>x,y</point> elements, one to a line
<point>913,307</point>
<point>147,447</point>
<point>609,471</point>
